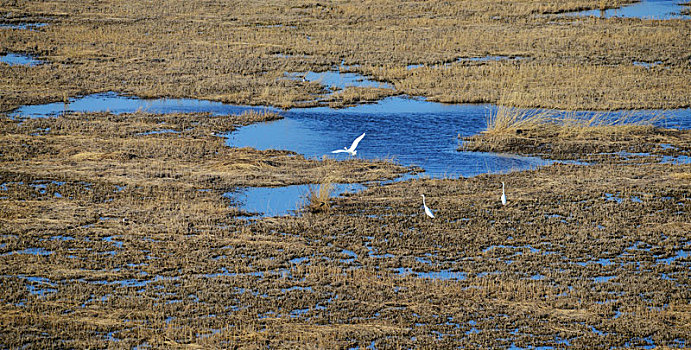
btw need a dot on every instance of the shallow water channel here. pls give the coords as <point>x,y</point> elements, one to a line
<point>407,130</point>
<point>650,9</point>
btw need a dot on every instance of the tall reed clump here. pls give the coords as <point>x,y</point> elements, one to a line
<point>513,121</point>
<point>318,198</point>
<point>508,120</point>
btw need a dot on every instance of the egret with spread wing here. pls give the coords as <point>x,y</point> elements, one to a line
<point>351,150</point>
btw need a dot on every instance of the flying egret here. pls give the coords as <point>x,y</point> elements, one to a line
<point>427,210</point>
<point>503,194</point>
<point>351,150</point>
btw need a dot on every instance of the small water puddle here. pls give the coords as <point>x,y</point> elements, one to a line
<point>337,80</point>
<point>649,9</point>
<point>647,64</point>
<point>14,59</point>
<point>280,201</point>
<point>22,26</point>
<point>30,251</point>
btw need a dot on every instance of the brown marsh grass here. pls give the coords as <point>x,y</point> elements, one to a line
<point>581,247</point>
<point>579,137</point>
<point>319,197</point>
<point>505,120</point>
<point>239,53</point>
<point>114,238</point>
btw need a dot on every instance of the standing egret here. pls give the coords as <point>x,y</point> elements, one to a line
<point>503,194</point>
<point>427,210</point>
<point>351,150</point>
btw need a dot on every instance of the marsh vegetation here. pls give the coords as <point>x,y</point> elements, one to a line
<point>99,253</point>
<point>238,53</point>
<point>124,228</point>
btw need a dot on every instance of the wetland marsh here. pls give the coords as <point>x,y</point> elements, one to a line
<point>138,155</point>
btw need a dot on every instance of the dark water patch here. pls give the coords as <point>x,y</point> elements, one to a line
<point>676,159</point>
<point>537,277</point>
<point>646,64</point>
<point>93,299</point>
<point>14,59</point>
<point>131,282</point>
<point>640,343</point>
<point>39,286</point>
<point>603,279</point>
<point>351,254</point>
<point>225,273</point>
<point>415,66</point>
<point>22,26</point>
<point>372,252</point>
<point>648,9</point>
<point>297,261</point>
<point>612,197</point>
<point>61,238</point>
<point>679,254</point>
<point>30,251</point>
<point>601,262</point>
<point>111,239</point>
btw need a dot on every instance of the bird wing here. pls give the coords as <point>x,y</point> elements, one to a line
<point>339,151</point>
<point>357,140</point>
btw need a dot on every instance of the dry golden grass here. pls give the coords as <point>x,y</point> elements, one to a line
<point>505,120</point>
<point>239,52</point>
<point>319,198</point>
<point>121,262</point>
<point>116,148</point>
<point>569,135</point>
<point>113,238</point>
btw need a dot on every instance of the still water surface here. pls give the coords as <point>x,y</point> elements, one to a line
<point>649,9</point>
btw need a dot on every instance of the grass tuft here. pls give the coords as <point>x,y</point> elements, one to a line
<point>508,119</point>
<point>318,198</point>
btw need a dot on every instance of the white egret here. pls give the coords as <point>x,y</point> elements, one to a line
<point>427,210</point>
<point>503,194</point>
<point>351,150</point>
